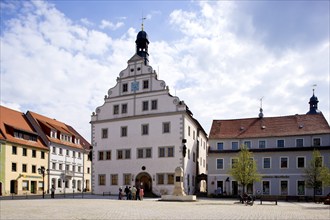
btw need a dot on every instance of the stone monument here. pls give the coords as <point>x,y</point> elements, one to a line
<point>178,192</point>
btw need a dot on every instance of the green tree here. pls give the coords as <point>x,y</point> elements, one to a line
<point>245,169</point>
<point>316,173</point>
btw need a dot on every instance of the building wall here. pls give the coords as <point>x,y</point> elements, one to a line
<point>57,176</point>
<point>16,178</point>
<point>275,174</point>
<point>2,167</point>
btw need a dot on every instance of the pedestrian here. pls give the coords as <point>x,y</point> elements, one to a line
<point>126,192</point>
<point>141,193</point>
<point>120,193</point>
<point>134,193</point>
<point>129,193</point>
<point>52,192</point>
<point>138,194</point>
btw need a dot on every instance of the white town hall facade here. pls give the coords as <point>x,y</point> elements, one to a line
<point>142,133</point>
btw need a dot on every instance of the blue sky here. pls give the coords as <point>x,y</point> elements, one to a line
<point>59,58</point>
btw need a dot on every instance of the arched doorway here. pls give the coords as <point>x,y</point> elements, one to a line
<point>144,180</point>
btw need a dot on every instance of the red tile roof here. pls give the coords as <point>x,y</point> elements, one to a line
<point>291,125</point>
<point>11,120</point>
<point>63,128</point>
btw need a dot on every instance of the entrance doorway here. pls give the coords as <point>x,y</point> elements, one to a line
<point>33,186</point>
<point>13,186</point>
<point>144,180</point>
<point>234,188</point>
<point>0,188</point>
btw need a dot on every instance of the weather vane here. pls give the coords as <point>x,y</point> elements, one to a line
<point>143,18</point>
<point>314,86</point>
<point>261,102</point>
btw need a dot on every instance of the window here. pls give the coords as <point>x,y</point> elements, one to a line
<point>24,153</point>
<point>125,87</point>
<point>189,131</point>
<point>265,188</point>
<point>108,155</point>
<point>284,187</point>
<point>262,144</point>
<point>128,154</point>
<point>123,131</point>
<point>145,84</point>
<point>34,169</point>
<point>14,150</point>
<point>67,153</point>
<point>102,180</point>
<point>124,108</point>
<point>13,167</point>
<point>127,179</point>
<point>154,105</point>
<point>145,129</point>
<point>234,145</point>
<point>299,142</point>
<point>166,127</point>
<point>54,150</point>
<point>145,106</point>
<point>123,154</point>
<point>73,168</point>
<point>114,179</point>
<point>148,153</point>
<point>116,109</point>
<point>101,155</point>
<point>61,151</point>
<point>316,141</point>
<point>42,155</point>
<point>104,133</point>
<point>160,179</point>
<point>166,152</point>
<point>301,188</point>
<point>220,164</point>
<point>54,166</point>
<point>266,163</point>
<point>59,183</point>
<point>140,153</point>
<point>170,179</point>
<point>234,161</point>
<point>25,185</point>
<point>284,162</point>
<point>247,144</point>
<point>280,143</point>
<point>318,189</point>
<point>60,166</point>
<point>67,167</point>
<point>170,152</point>
<point>34,153</point>
<point>79,155</point>
<point>73,154</point>
<point>119,155</point>
<point>220,146</point>
<point>300,162</point>
<point>24,168</point>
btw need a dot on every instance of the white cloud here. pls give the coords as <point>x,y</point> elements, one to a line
<point>109,25</point>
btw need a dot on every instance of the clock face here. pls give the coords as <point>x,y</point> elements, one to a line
<point>134,86</point>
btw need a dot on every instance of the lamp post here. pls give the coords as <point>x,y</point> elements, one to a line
<point>42,171</point>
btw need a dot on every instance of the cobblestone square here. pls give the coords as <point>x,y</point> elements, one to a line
<point>99,207</point>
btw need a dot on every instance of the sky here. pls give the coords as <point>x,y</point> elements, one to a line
<point>59,58</point>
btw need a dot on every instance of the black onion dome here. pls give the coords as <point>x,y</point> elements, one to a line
<point>142,35</point>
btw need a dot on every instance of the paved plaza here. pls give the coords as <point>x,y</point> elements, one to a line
<point>99,207</point>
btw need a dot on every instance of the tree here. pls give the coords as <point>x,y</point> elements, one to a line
<point>245,169</point>
<point>316,173</point>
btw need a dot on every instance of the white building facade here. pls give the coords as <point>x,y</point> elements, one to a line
<point>68,153</point>
<point>142,133</point>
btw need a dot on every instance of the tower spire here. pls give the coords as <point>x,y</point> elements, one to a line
<point>313,103</point>
<point>261,115</point>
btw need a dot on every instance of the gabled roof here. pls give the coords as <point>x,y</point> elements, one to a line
<point>292,125</point>
<point>11,120</point>
<point>58,126</point>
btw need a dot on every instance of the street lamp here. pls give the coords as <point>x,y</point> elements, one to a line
<point>42,172</point>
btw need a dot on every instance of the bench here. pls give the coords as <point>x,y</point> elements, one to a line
<point>106,193</point>
<point>268,199</point>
